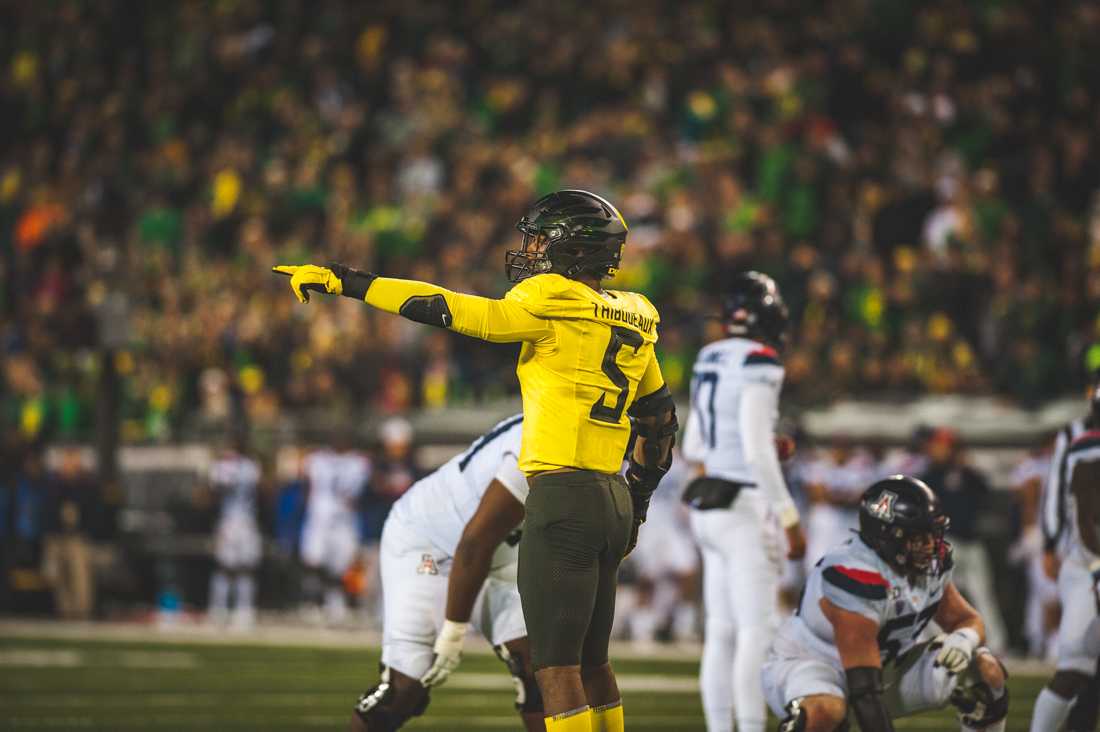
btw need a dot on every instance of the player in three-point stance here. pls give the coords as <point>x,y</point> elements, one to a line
<point>1078,460</point>
<point>448,558</point>
<point>738,500</point>
<point>857,642</point>
<point>587,371</point>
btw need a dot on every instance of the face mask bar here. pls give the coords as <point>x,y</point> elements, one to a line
<point>530,259</point>
<point>914,556</point>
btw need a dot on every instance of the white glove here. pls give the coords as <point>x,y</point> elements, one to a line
<point>956,650</point>
<point>448,653</point>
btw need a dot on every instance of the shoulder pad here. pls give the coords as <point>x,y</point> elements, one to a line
<point>645,307</point>
<point>859,581</point>
<point>1086,440</point>
<point>762,356</point>
<point>542,294</point>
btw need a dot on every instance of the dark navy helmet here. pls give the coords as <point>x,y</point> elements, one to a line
<point>753,308</point>
<point>902,519</point>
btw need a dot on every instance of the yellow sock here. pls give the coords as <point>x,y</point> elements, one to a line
<point>608,718</point>
<point>579,720</point>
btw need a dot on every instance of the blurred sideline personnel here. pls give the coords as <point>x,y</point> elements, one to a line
<point>1042,608</point>
<point>963,491</point>
<point>1077,489</point>
<point>731,431</point>
<point>587,369</point>
<point>330,533</point>
<point>667,566</point>
<point>234,478</point>
<point>855,642</point>
<point>449,561</point>
<point>834,483</point>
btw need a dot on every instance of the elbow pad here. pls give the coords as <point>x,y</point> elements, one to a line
<point>427,309</point>
<point>865,699</point>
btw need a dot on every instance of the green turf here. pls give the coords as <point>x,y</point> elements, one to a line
<point>60,684</point>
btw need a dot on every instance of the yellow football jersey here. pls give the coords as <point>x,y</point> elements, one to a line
<point>586,356</point>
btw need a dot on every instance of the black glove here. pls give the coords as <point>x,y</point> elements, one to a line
<point>642,482</point>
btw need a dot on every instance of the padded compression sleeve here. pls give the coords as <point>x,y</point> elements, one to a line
<point>499,321</point>
<point>758,405</point>
<point>865,699</point>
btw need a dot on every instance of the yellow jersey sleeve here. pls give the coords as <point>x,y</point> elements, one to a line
<point>652,379</point>
<point>499,321</point>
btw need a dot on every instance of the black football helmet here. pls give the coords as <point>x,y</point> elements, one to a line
<point>573,233</point>
<point>903,521</point>
<point>753,308</point>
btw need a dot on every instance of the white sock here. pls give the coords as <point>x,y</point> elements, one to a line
<point>246,591</point>
<point>219,594</point>
<point>748,692</point>
<point>716,676</point>
<point>1050,712</point>
<point>244,610</point>
<point>336,606</point>
<point>643,625</point>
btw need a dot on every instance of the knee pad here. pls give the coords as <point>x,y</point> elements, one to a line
<point>528,696</point>
<point>973,698</point>
<point>375,706</point>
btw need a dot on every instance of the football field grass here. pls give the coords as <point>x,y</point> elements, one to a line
<point>68,684</point>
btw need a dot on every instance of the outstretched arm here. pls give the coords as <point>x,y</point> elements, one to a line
<point>500,321</point>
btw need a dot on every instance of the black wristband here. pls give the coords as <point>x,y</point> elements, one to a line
<point>355,283</point>
<point>865,699</point>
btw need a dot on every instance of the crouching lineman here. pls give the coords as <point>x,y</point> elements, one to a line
<point>449,557</point>
<point>1078,582</point>
<point>856,642</point>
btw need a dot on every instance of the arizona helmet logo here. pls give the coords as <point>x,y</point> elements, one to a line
<point>882,507</point>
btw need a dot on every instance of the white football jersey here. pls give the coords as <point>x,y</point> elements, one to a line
<point>335,481</point>
<point>854,578</point>
<point>1084,449</point>
<point>235,477</point>
<point>713,432</point>
<point>441,504</point>
<point>1059,515</point>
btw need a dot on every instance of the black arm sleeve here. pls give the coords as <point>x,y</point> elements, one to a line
<point>355,283</point>
<point>865,699</point>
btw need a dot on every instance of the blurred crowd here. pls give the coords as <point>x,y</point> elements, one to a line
<point>921,179</point>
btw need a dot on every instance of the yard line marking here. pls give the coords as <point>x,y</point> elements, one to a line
<point>42,658</point>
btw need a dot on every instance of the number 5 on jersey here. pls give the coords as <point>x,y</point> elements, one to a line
<point>619,337</point>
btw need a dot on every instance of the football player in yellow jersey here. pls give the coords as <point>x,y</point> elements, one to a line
<point>588,373</point>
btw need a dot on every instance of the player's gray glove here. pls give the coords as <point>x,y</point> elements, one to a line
<point>955,649</point>
<point>448,653</point>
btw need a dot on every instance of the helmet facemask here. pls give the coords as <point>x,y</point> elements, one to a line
<point>918,551</point>
<point>531,258</point>
<point>572,233</point>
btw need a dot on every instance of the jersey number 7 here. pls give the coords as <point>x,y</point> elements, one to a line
<point>619,337</point>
